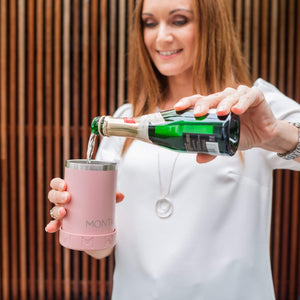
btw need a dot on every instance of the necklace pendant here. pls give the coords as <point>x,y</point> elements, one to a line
<point>164,208</point>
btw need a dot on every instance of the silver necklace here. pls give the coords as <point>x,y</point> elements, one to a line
<point>164,207</point>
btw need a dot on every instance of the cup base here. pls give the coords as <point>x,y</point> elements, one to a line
<point>87,242</point>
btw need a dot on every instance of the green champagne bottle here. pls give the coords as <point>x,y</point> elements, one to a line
<point>177,130</point>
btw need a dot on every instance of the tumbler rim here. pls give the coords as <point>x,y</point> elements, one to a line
<point>90,165</point>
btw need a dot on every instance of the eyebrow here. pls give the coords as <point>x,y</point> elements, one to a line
<point>171,12</point>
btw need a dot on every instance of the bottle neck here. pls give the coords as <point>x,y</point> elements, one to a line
<point>119,127</point>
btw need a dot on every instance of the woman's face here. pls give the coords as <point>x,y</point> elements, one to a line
<point>169,35</point>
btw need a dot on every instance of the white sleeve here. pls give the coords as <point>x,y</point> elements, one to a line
<point>110,148</point>
<point>284,108</point>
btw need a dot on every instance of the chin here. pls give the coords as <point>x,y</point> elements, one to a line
<point>169,72</point>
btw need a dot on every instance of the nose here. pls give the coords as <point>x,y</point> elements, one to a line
<point>164,33</point>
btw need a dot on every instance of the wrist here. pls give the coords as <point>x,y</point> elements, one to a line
<point>282,139</point>
<point>99,254</point>
<point>294,151</point>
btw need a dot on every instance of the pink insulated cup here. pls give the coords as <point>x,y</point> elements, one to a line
<point>90,220</point>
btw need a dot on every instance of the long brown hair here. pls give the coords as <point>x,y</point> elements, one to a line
<point>218,60</point>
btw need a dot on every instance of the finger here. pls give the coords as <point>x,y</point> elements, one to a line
<point>224,107</point>
<point>187,102</point>
<point>57,197</point>
<point>53,226</point>
<point>58,212</point>
<point>58,184</point>
<point>211,101</point>
<point>119,197</point>
<point>204,158</point>
<point>250,98</point>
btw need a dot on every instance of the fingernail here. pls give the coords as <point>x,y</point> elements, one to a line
<point>62,186</point>
<point>178,104</point>
<point>60,211</point>
<point>197,110</point>
<point>46,228</point>
<point>221,108</point>
<point>66,194</point>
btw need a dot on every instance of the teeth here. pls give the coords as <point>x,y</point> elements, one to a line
<point>166,53</point>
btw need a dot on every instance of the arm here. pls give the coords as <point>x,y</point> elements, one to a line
<point>259,126</point>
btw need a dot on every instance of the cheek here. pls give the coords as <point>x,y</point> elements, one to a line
<point>190,41</point>
<point>148,40</point>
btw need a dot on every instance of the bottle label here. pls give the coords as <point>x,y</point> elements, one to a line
<point>202,143</point>
<point>154,119</point>
<point>129,120</point>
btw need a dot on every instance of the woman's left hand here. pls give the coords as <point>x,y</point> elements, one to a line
<point>258,123</point>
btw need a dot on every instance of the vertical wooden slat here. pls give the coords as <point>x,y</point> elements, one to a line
<point>277,220</point>
<point>94,58</point>
<point>76,81</point>
<point>31,144</point>
<point>290,63</point>
<point>66,122</point>
<point>293,232</point>
<point>48,34</point>
<point>264,39</point>
<point>295,247</point>
<point>103,106</point>
<point>85,126</point>
<point>21,149</point>
<point>282,46</point>
<point>4,154</point>
<point>255,39</point>
<point>13,145</point>
<point>39,145</point>
<point>85,76</point>
<point>75,112</point>
<point>103,62</point>
<point>297,56</point>
<point>284,255</point>
<point>112,57</point>
<point>273,41</point>
<point>247,30</point>
<point>284,261</point>
<point>121,53</point>
<point>94,107</point>
<point>57,130</point>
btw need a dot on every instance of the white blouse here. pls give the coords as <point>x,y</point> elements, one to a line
<point>215,245</point>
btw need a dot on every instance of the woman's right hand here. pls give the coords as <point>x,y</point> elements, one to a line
<point>59,196</point>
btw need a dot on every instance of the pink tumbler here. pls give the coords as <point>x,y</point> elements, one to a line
<point>90,220</point>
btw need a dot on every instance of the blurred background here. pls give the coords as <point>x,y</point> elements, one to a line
<point>62,63</point>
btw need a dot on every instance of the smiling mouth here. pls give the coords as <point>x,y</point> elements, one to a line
<point>168,53</point>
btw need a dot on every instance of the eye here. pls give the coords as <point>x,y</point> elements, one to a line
<point>149,23</point>
<point>180,21</point>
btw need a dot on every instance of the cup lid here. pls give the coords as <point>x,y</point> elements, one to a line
<point>85,164</point>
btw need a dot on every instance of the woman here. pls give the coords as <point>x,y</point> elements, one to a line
<point>214,241</point>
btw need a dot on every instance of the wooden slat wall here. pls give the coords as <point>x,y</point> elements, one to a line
<point>61,64</point>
